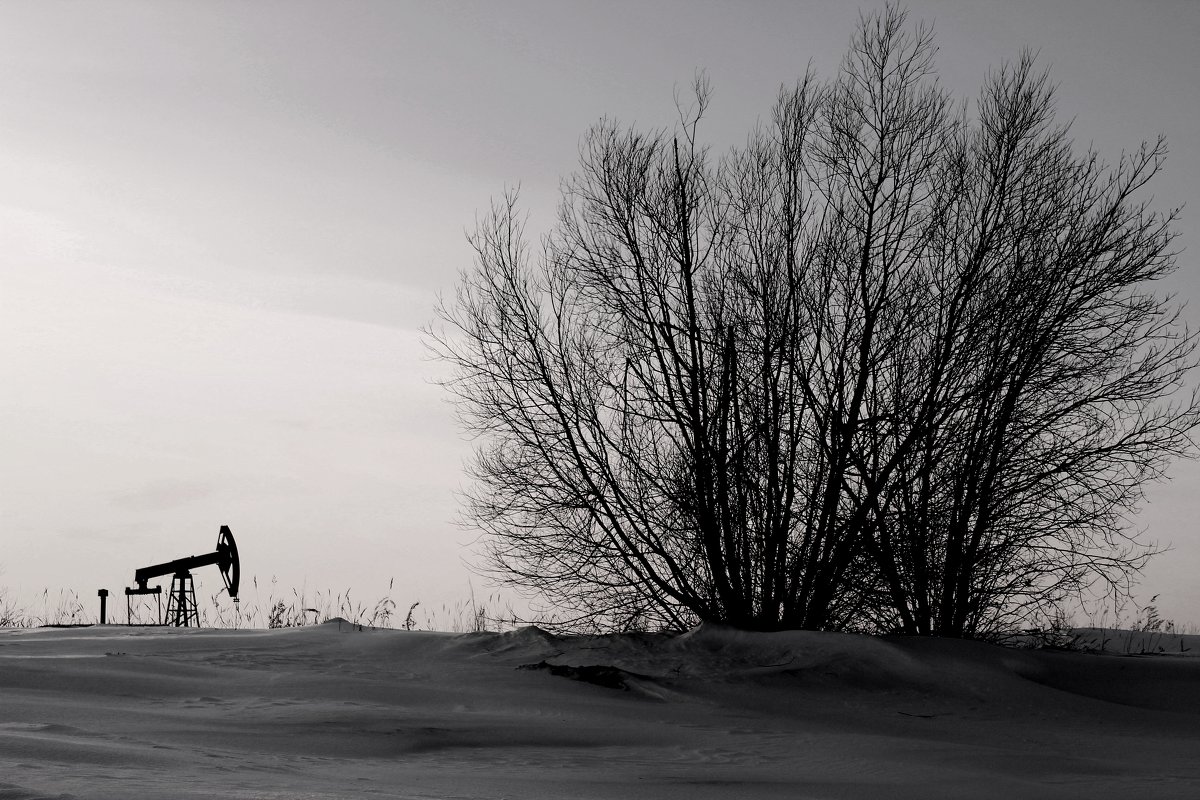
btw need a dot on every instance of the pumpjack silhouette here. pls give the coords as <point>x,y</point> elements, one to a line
<point>181,602</point>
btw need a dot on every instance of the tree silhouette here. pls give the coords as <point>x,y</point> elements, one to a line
<point>887,365</point>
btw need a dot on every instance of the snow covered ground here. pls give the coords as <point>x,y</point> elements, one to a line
<point>331,711</point>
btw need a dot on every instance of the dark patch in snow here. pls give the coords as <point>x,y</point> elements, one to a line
<point>600,674</point>
<point>10,791</point>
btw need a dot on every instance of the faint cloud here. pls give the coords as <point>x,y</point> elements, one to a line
<point>95,534</point>
<point>162,495</point>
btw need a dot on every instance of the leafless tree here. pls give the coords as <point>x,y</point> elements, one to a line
<point>886,365</point>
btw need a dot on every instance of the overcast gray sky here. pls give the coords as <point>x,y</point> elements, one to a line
<point>222,223</point>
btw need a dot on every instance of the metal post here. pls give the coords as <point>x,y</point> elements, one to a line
<point>103,606</point>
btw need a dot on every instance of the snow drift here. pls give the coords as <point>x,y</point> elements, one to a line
<point>335,711</point>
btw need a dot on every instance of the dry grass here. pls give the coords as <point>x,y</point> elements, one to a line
<point>64,608</point>
<point>297,607</point>
<point>1114,626</point>
<point>266,606</point>
<point>1111,631</point>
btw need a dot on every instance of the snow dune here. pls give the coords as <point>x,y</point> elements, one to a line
<point>332,711</point>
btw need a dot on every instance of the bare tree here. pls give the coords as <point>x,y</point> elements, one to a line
<point>885,365</point>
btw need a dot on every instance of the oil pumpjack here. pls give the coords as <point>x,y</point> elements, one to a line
<point>181,603</point>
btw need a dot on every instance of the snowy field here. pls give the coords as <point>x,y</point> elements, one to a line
<point>331,711</point>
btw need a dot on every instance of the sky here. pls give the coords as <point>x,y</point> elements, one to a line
<point>223,224</point>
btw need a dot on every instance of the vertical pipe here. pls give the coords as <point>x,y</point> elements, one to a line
<point>103,606</point>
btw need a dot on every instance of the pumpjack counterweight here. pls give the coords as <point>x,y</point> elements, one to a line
<point>181,603</point>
